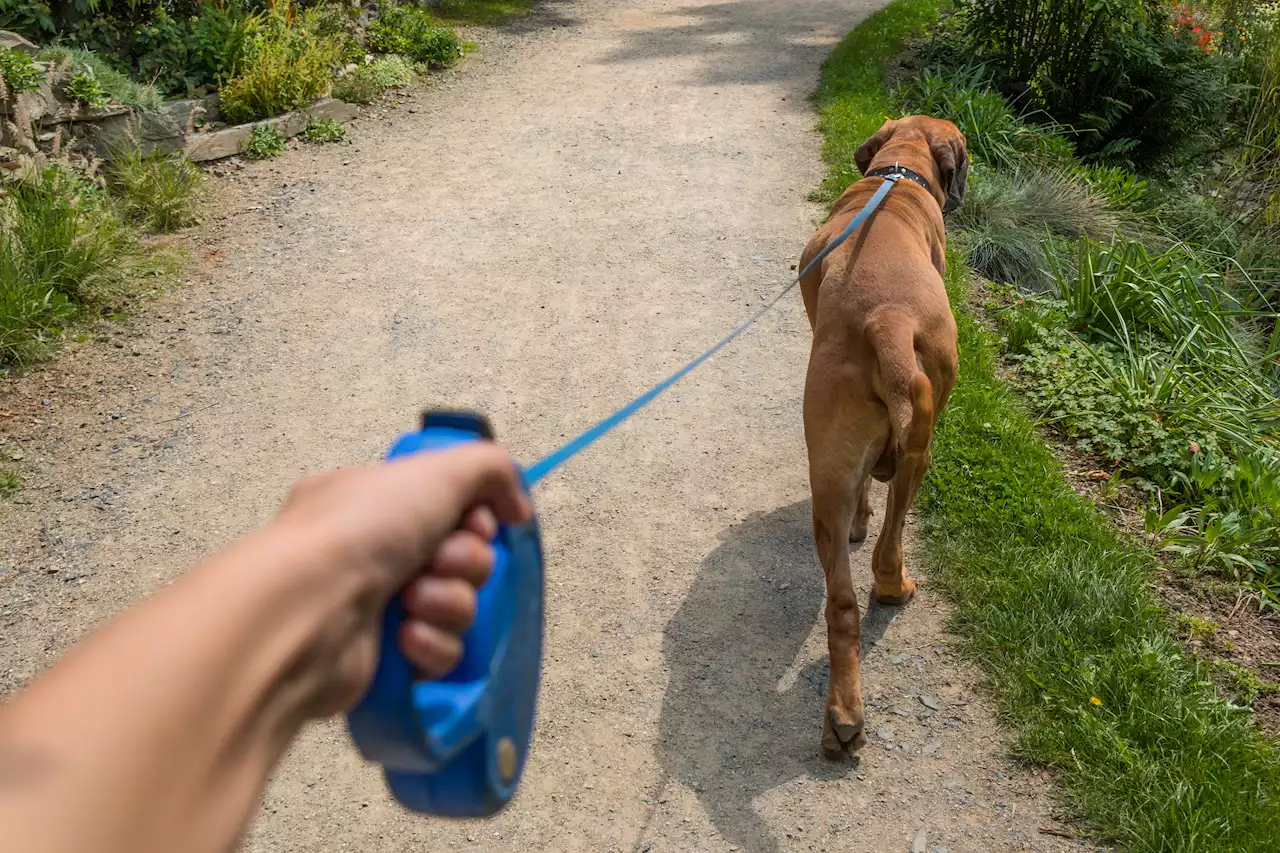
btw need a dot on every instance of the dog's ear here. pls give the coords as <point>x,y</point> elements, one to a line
<point>868,150</point>
<point>952,158</point>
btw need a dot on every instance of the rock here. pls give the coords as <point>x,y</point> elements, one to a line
<point>228,142</point>
<point>931,748</point>
<point>184,114</point>
<point>885,733</point>
<point>13,41</point>
<point>919,843</point>
<point>931,702</point>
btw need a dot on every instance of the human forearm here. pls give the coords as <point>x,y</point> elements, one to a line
<point>224,663</point>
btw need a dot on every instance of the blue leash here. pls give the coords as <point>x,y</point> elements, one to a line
<point>574,446</point>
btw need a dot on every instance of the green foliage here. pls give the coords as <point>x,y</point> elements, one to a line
<point>325,130</point>
<point>996,135</point>
<point>84,89</point>
<point>63,247</point>
<point>10,483</point>
<point>288,67</point>
<point>264,142</point>
<point>1050,601</point>
<point>1122,189</point>
<point>190,54</point>
<point>363,85</point>
<point>411,31</point>
<point>18,71</point>
<point>160,192</point>
<point>1130,86</point>
<point>120,87</point>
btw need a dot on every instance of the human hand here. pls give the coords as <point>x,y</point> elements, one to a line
<point>422,524</point>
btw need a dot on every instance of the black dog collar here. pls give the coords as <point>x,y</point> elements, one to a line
<point>895,169</point>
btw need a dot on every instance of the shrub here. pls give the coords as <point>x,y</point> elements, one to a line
<point>120,87</point>
<point>1010,220</point>
<point>356,88</point>
<point>19,73</point>
<point>185,55</point>
<point>160,192</point>
<point>289,66</point>
<point>412,32</point>
<point>84,89</point>
<point>325,130</point>
<point>264,142</point>
<point>62,247</point>
<point>363,85</point>
<point>1131,86</point>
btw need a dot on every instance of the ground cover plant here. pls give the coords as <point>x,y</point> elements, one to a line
<point>1051,600</point>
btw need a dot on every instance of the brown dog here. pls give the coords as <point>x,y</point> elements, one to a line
<point>883,363</point>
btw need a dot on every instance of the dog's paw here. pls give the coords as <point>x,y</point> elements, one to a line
<point>900,595</point>
<point>841,735</point>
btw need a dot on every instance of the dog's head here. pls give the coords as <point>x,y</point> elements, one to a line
<point>914,134</point>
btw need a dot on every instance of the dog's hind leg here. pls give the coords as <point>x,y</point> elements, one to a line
<point>838,471</point>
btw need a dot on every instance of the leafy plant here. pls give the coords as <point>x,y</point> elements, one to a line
<point>264,142</point>
<point>18,71</point>
<point>185,55</point>
<point>160,192</point>
<point>84,89</point>
<point>363,85</point>
<point>325,130</point>
<point>289,66</point>
<point>119,86</point>
<point>10,483</point>
<point>412,32</point>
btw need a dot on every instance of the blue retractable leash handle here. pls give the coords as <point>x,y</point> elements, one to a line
<point>456,746</point>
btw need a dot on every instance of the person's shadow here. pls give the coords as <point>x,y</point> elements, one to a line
<point>736,721</point>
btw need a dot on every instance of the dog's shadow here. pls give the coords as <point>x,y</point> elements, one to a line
<point>737,720</point>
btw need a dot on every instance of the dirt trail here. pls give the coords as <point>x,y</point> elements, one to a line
<point>540,235</point>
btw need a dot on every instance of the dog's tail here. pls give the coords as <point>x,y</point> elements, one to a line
<point>903,387</point>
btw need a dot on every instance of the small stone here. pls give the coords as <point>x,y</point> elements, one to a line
<point>931,702</point>
<point>931,748</point>
<point>919,843</point>
<point>885,733</point>
<point>897,659</point>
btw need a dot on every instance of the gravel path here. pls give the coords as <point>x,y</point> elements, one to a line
<point>600,193</point>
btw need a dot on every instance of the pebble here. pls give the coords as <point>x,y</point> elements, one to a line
<point>931,748</point>
<point>931,702</point>
<point>884,732</point>
<point>919,843</point>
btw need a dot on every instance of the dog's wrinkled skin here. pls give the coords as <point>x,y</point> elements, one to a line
<point>881,369</point>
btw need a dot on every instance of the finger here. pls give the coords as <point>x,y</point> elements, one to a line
<point>481,522</point>
<point>445,603</point>
<point>466,476</point>
<point>432,651</point>
<point>464,555</point>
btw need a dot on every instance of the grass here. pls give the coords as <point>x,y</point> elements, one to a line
<point>64,249</point>
<point>10,483</point>
<point>120,87</point>
<point>481,12</point>
<point>160,192</point>
<point>851,99</point>
<point>1053,604</point>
